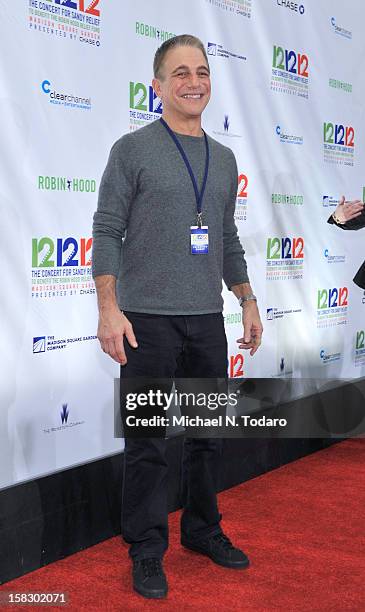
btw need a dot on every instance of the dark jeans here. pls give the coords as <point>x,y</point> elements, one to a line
<point>193,346</point>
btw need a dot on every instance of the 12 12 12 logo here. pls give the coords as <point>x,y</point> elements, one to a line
<point>84,6</point>
<point>49,253</point>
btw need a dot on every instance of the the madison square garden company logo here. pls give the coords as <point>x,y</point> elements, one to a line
<point>77,20</point>
<point>61,267</point>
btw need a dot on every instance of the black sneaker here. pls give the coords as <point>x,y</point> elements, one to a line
<point>149,578</point>
<point>220,549</point>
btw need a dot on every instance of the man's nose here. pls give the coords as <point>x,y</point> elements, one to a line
<point>194,81</point>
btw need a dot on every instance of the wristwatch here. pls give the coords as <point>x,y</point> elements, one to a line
<point>247,298</point>
<point>337,220</point>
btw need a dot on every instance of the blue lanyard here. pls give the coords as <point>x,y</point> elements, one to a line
<point>198,196</point>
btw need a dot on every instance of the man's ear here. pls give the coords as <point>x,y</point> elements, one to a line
<point>156,87</point>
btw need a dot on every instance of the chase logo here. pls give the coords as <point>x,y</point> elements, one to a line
<point>226,123</point>
<point>269,314</point>
<point>65,99</point>
<point>64,413</point>
<point>212,48</point>
<point>293,6</point>
<point>39,344</point>
<point>322,354</point>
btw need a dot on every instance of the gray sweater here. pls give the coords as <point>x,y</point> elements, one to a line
<point>141,229</point>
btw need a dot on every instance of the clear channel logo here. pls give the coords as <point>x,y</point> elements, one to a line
<point>340,30</point>
<point>287,137</point>
<point>327,358</point>
<point>333,259</point>
<point>68,100</point>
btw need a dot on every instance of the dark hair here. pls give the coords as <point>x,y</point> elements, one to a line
<point>183,40</point>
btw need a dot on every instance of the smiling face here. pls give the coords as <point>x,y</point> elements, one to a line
<point>184,84</point>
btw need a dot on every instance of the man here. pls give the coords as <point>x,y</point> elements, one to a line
<point>351,216</point>
<point>164,188</point>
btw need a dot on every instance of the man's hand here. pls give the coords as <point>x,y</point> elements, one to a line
<point>348,210</point>
<point>113,325</point>
<point>252,327</point>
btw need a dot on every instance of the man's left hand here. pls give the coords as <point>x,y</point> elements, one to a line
<point>252,327</point>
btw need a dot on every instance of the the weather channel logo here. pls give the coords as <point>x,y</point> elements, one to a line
<point>219,51</point>
<point>329,202</point>
<point>339,30</point>
<point>65,99</point>
<point>287,138</point>
<point>77,20</point>
<point>293,6</point>
<point>234,7</point>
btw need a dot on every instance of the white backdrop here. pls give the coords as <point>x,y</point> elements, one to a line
<point>288,90</point>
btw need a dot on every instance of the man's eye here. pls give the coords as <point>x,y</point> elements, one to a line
<point>203,74</point>
<point>181,74</point>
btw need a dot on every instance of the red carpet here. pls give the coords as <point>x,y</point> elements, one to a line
<point>302,526</point>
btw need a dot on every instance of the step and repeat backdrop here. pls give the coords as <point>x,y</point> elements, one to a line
<point>288,91</point>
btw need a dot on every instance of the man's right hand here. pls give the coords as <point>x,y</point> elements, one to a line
<point>113,326</point>
<point>346,211</point>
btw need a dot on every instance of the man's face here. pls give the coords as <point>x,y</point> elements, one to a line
<point>184,84</point>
